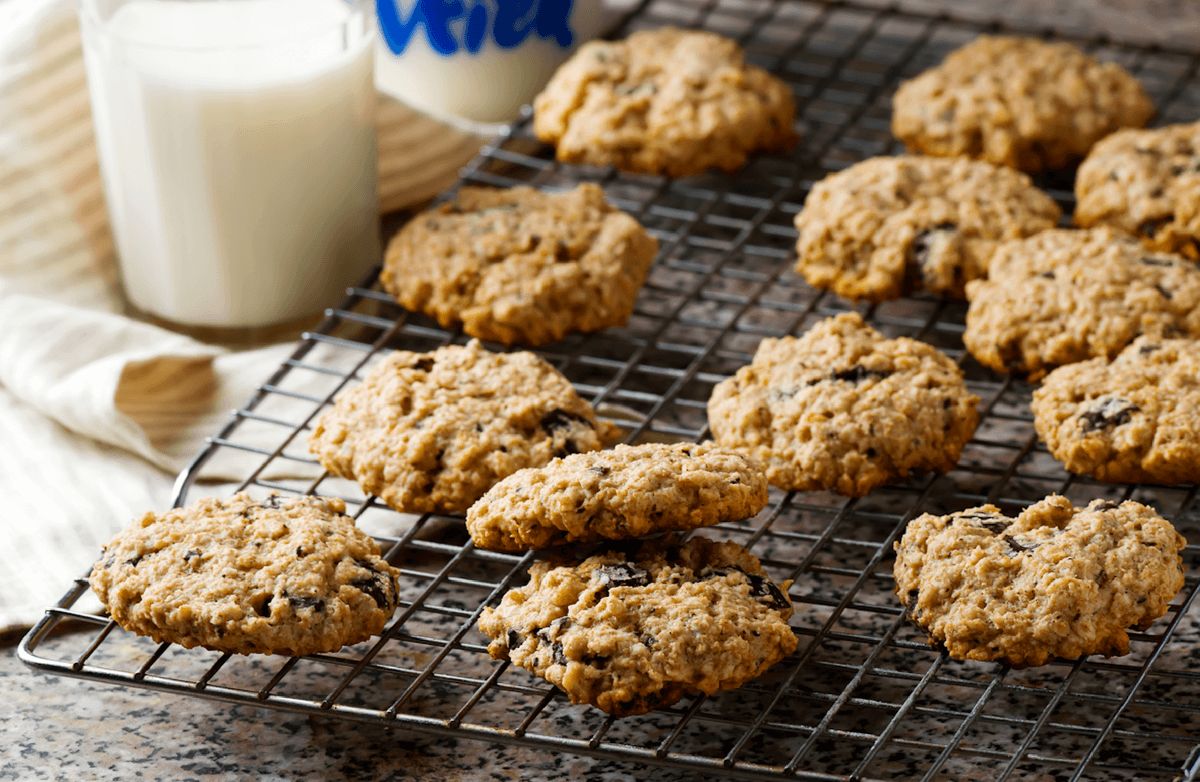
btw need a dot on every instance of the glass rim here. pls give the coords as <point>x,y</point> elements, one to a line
<point>89,14</point>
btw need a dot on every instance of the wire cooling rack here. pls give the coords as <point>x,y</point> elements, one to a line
<point>863,696</point>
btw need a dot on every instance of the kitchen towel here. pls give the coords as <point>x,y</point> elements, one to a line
<point>98,411</point>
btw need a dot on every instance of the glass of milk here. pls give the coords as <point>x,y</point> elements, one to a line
<point>237,144</point>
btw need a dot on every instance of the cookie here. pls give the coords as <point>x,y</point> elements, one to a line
<point>625,492</point>
<point>844,409</point>
<point>1145,182</point>
<point>278,576</point>
<point>431,432</point>
<point>1056,581</point>
<point>1019,102</point>
<point>631,632</point>
<point>889,225</point>
<point>1064,296</point>
<point>665,101</point>
<point>1133,419</point>
<point>520,265</point>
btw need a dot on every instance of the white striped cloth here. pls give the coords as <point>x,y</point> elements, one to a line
<point>98,411</point>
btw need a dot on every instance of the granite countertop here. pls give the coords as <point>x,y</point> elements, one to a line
<point>60,728</point>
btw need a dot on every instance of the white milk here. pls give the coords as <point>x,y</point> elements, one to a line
<point>238,148</point>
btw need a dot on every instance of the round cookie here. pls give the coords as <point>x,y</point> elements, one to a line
<point>1064,296</point>
<point>844,409</point>
<point>888,225</point>
<point>519,265</point>
<point>625,492</point>
<point>632,632</point>
<point>1145,182</point>
<point>665,101</point>
<point>1056,581</point>
<point>1019,102</point>
<point>1134,419</point>
<point>431,432</point>
<point>238,575</point>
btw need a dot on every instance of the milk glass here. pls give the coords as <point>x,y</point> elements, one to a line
<point>237,145</point>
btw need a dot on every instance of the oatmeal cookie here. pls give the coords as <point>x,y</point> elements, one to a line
<point>520,265</point>
<point>278,576</point>
<point>1056,581</point>
<point>1063,296</point>
<point>1018,102</point>
<point>625,492</point>
<point>844,409</point>
<point>431,432</point>
<point>631,632</point>
<point>888,225</point>
<point>1133,419</point>
<point>1145,182</point>
<point>665,101</point>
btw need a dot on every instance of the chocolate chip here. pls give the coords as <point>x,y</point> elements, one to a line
<point>1047,275</point>
<point>910,603</point>
<point>315,603</point>
<point>1016,546</point>
<point>376,587</point>
<point>190,554</point>
<point>620,575</point>
<point>927,240</point>
<point>556,651</point>
<point>299,552</point>
<point>649,640</point>
<point>1106,505</point>
<point>1107,412</point>
<point>1149,228</point>
<point>600,470</point>
<point>136,558</point>
<point>596,660</point>
<point>1148,348</point>
<point>764,587</point>
<point>263,606</point>
<point>554,629</point>
<point>858,374</point>
<point>561,251</point>
<point>424,364</point>
<point>514,640</point>
<point>1151,260</point>
<point>560,419</point>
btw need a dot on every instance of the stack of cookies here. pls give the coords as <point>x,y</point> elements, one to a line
<point>630,611</point>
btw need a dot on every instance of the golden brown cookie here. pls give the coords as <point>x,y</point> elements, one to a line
<point>431,432</point>
<point>278,576</point>
<point>665,101</point>
<point>1018,102</point>
<point>888,225</point>
<point>1063,296</point>
<point>625,492</point>
<point>1145,182</point>
<point>519,265</point>
<point>633,631</point>
<point>1056,581</point>
<point>844,409</point>
<point>1134,419</point>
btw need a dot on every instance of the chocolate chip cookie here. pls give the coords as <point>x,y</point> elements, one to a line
<point>844,409</point>
<point>1065,296</point>
<point>889,225</point>
<point>431,432</point>
<point>1018,102</point>
<point>1056,581</point>
<point>520,265</point>
<point>1134,419</point>
<point>625,492</point>
<point>665,101</point>
<point>633,631</point>
<point>1145,182</point>
<point>278,576</point>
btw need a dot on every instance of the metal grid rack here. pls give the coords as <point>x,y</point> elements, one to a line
<point>863,696</point>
